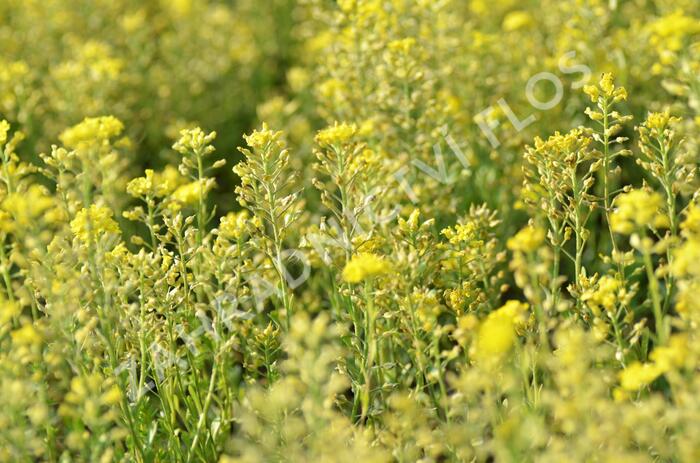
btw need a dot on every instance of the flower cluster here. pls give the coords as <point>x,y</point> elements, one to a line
<point>363,266</point>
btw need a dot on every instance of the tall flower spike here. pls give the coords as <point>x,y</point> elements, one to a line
<point>266,190</point>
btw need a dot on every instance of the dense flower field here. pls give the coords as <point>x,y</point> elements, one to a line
<point>349,230</point>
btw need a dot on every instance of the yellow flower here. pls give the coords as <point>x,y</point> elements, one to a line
<point>154,184</point>
<point>27,335</point>
<point>93,130</point>
<point>194,140</point>
<point>607,84</point>
<point>592,91</point>
<point>192,192</point>
<point>495,337</point>
<point>669,32</point>
<point>659,121</point>
<point>29,205</point>
<point>8,311</point>
<point>528,239</point>
<point>605,88</point>
<point>402,45</point>
<point>365,265</point>
<point>169,179</point>
<point>94,221</point>
<point>691,224</point>
<point>686,260</point>
<point>337,134</point>
<point>233,224</point>
<point>112,396</point>
<point>638,375</point>
<point>515,311</point>
<point>497,333</point>
<point>516,20</point>
<point>260,139</point>
<point>4,128</point>
<point>672,355</point>
<point>637,209</point>
<point>605,295</point>
<point>462,233</point>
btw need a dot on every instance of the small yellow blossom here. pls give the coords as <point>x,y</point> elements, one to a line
<point>672,355</point>
<point>528,239</point>
<point>27,335</point>
<point>663,359</point>
<point>516,20</point>
<point>169,179</point>
<point>112,396</point>
<point>4,128</point>
<point>606,84</point>
<point>191,193</point>
<point>686,261</point>
<point>659,121</point>
<point>9,311</point>
<point>605,295</point>
<point>148,185</point>
<point>495,337</point>
<point>260,139</point>
<point>638,375</point>
<point>363,266</point>
<point>637,209</point>
<point>27,206</point>
<point>93,130</point>
<point>462,233</point>
<point>194,140</point>
<point>669,32</point>
<point>592,91</point>
<point>605,89</point>
<point>337,134</point>
<point>691,223</point>
<point>402,45</point>
<point>497,333</point>
<point>93,221</point>
<point>233,224</point>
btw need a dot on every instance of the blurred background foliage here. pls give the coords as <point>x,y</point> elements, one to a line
<point>164,65</point>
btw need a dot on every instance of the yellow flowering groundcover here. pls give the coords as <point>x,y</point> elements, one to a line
<point>349,230</point>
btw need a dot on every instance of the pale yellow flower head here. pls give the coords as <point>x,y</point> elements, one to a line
<point>516,20</point>
<point>605,89</point>
<point>233,224</point>
<point>606,294</point>
<point>637,209</point>
<point>498,332</point>
<point>92,131</point>
<point>194,140</point>
<point>363,266</point>
<point>402,45</point>
<point>686,260</point>
<point>672,355</point>
<point>4,128</point>
<point>607,84</point>
<point>95,220</point>
<point>528,239</point>
<point>659,121</point>
<point>337,134</point>
<point>191,193</point>
<point>691,224</point>
<point>260,139</point>
<point>638,375</point>
<point>27,335</point>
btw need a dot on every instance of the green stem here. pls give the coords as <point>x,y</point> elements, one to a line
<point>655,298</point>
<point>205,410</point>
<point>370,349</point>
